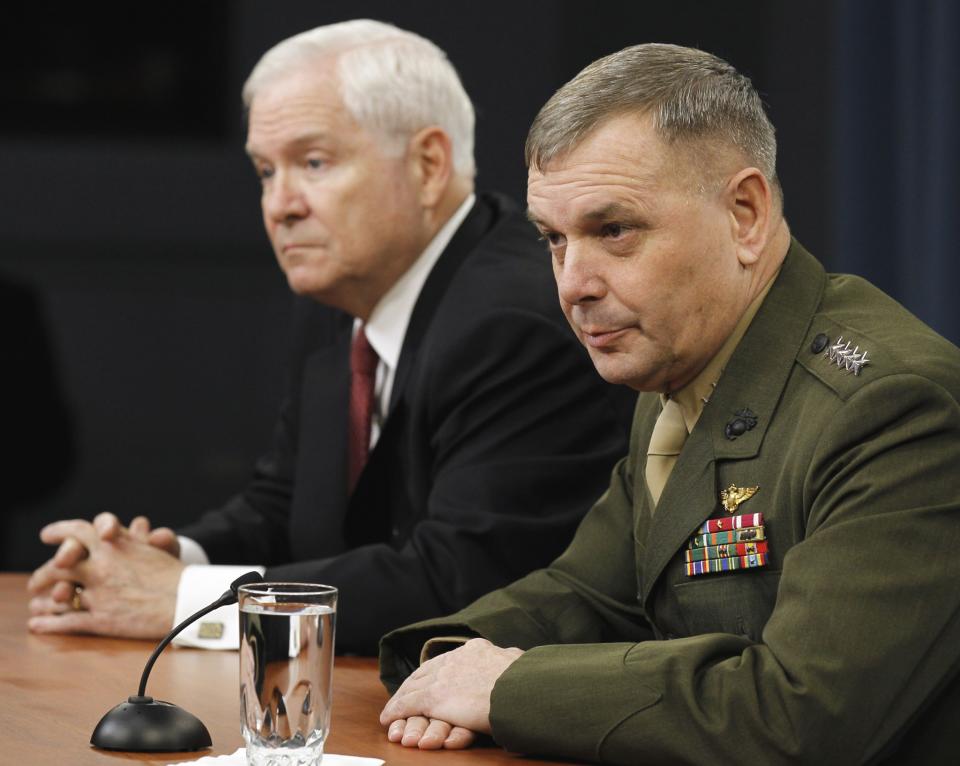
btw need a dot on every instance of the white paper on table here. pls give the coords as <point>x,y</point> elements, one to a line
<point>239,758</point>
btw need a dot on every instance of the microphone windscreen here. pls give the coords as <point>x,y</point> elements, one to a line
<point>245,579</point>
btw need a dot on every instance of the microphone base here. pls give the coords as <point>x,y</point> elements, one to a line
<point>146,725</point>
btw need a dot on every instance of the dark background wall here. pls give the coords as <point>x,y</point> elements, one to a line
<point>129,209</point>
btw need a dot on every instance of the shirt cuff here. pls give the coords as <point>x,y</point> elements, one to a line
<point>191,552</point>
<point>199,586</point>
<point>438,645</point>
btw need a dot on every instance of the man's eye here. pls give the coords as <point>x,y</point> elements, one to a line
<point>613,230</point>
<point>263,173</point>
<point>315,163</point>
<point>552,238</point>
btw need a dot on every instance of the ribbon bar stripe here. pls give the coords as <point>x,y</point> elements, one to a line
<point>732,522</point>
<point>709,566</point>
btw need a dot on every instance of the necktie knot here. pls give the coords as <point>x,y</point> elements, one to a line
<point>363,358</point>
<point>666,443</point>
<point>669,432</point>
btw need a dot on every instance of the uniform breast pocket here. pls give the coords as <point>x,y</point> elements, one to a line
<point>739,602</point>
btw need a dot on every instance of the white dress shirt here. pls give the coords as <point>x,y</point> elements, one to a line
<point>386,329</point>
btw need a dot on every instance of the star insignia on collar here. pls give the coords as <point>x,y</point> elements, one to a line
<point>851,359</point>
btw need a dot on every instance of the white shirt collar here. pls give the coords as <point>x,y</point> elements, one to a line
<point>387,326</point>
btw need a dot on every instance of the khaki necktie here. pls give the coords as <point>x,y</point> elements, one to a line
<point>669,434</point>
<point>363,377</point>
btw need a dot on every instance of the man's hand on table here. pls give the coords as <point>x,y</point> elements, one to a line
<point>446,701</point>
<point>128,577</point>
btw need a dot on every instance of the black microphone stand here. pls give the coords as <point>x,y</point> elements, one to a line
<point>143,724</point>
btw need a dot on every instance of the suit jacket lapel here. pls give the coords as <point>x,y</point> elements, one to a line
<point>769,348</point>
<point>688,498</point>
<point>479,221</point>
<point>326,387</point>
<point>475,226</point>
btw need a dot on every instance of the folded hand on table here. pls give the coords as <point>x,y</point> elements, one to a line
<point>446,701</point>
<point>106,579</point>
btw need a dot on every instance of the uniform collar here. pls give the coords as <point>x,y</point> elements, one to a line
<point>693,396</point>
<point>757,371</point>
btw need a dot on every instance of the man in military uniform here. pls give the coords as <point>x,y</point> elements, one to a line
<point>772,575</point>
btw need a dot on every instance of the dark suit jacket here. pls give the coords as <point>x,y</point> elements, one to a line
<point>843,649</point>
<point>498,437</point>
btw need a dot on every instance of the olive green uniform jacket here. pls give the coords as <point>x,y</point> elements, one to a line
<point>843,649</point>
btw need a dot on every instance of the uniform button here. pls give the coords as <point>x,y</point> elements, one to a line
<point>395,532</point>
<point>819,343</point>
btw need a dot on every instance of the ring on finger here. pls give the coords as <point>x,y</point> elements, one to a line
<point>75,602</point>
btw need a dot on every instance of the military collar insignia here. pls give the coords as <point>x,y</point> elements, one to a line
<point>851,359</point>
<point>733,496</point>
<point>743,420</point>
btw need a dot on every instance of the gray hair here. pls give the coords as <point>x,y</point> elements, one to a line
<point>392,82</point>
<point>693,97</point>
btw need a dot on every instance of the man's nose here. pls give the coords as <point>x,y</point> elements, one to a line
<point>283,198</point>
<point>578,275</point>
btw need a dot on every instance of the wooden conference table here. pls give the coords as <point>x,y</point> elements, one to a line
<point>54,689</point>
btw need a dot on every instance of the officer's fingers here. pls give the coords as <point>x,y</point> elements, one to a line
<point>435,735</point>
<point>459,739</point>
<point>413,731</point>
<point>395,731</point>
<point>405,703</point>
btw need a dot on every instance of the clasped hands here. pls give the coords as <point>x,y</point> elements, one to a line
<point>445,702</point>
<point>106,579</point>
<point>126,582</point>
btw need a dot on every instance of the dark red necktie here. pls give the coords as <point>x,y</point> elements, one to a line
<point>363,378</point>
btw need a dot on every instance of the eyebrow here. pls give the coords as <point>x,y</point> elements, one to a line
<point>532,217</point>
<point>304,139</point>
<point>608,212</point>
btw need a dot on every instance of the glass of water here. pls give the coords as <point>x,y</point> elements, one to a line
<point>286,671</point>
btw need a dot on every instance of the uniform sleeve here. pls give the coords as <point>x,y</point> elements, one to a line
<point>864,634</point>
<point>582,597</point>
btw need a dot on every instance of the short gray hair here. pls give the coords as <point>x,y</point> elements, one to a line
<point>692,96</point>
<point>393,82</point>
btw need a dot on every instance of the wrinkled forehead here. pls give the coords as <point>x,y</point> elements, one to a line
<point>625,161</point>
<point>622,159</point>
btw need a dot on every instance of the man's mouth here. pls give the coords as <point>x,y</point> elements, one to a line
<point>291,246</point>
<point>601,338</point>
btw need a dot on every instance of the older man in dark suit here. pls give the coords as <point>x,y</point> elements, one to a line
<point>443,431</point>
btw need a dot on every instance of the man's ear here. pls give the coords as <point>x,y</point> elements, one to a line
<point>431,158</point>
<point>752,210</point>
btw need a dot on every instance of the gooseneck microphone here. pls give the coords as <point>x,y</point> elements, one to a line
<point>145,725</point>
